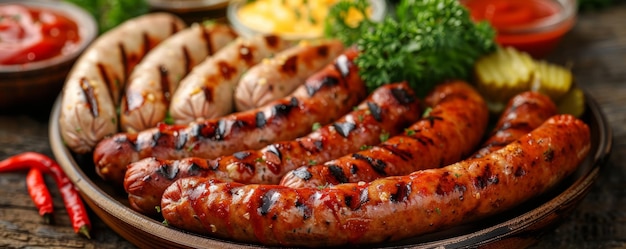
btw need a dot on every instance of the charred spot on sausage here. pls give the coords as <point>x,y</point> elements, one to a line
<point>337,173</point>
<point>302,173</point>
<point>208,93</point>
<point>354,169</point>
<point>168,171</point>
<point>165,83</point>
<point>377,165</point>
<point>284,109</point>
<point>206,36</point>
<point>402,96</point>
<point>402,193</point>
<point>226,70</point>
<point>272,40</point>
<point>221,130</point>
<point>304,209</point>
<point>290,66</point>
<point>342,64</point>
<point>267,201</point>
<point>245,53</point>
<point>155,138</point>
<point>375,110</point>
<point>88,91</point>
<point>180,140</point>
<point>548,155</point>
<point>344,128</point>
<point>187,58</point>
<point>403,154</point>
<point>194,168</point>
<point>260,119</point>
<point>272,148</point>
<point>240,155</point>
<point>319,144</point>
<point>327,81</point>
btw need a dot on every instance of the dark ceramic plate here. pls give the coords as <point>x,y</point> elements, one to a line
<point>516,228</point>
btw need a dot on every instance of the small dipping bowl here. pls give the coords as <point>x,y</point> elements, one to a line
<point>40,81</point>
<point>379,8</point>
<point>533,26</point>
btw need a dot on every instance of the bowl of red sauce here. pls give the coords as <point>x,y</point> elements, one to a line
<point>533,26</point>
<point>39,42</point>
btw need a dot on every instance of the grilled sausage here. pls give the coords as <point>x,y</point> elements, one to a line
<point>92,89</point>
<point>325,96</point>
<point>277,77</point>
<point>388,110</point>
<point>208,90</point>
<point>523,113</point>
<point>450,132</point>
<point>387,209</point>
<point>156,77</point>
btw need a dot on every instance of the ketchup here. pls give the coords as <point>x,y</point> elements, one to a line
<point>29,34</point>
<point>518,22</point>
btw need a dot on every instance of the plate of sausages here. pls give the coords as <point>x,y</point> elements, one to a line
<point>316,161</point>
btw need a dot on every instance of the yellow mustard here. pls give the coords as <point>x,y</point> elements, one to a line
<point>295,18</point>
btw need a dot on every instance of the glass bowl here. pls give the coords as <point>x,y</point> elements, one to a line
<point>533,26</point>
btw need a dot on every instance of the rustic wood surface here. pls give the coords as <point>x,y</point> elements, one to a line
<point>595,48</point>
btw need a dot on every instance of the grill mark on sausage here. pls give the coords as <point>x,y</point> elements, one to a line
<point>267,202</point>
<point>375,110</point>
<point>326,82</point>
<point>394,150</point>
<point>304,209</point>
<point>323,51</point>
<point>165,83</point>
<point>92,103</point>
<point>302,173</point>
<point>344,128</point>
<point>337,173</point>
<point>187,58</point>
<point>181,140</point>
<point>290,66</point>
<point>168,171</point>
<point>272,148</point>
<point>402,96</point>
<point>342,64</point>
<point>402,193</point>
<point>282,110</point>
<point>208,93</point>
<point>226,70</point>
<point>206,36</point>
<point>105,77</point>
<point>241,154</point>
<point>272,41</point>
<point>124,59</point>
<point>260,120</point>
<point>377,165</point>
<point>245,53</point>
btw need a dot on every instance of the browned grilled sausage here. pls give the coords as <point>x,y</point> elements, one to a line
<point>92,90</point>
<point>450,132</point>
<point>156,77</point>
<point>387,209</point>
<point>325,96</point>
<point>524,112</point>
<point>388,110</point>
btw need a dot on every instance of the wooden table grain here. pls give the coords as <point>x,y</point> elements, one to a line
<point>595,49</point>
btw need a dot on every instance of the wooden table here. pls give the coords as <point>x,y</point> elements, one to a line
<point>596,49</point>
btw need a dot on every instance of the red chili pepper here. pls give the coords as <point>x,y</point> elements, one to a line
<point>73,203</point>
<point>39,193</point>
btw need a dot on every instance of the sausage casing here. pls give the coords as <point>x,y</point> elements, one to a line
<point>208,90</point>
<point>156,77</point>
<point>325,96</point>
<point>280,75</point>
<point>92,90</point>
<point>388,110</point>
<point>387,209</point>
<point>448,133</point>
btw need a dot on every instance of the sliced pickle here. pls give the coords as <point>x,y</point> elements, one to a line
<point>552,80</point>
<point>573,102</point>
<point>504,73</point>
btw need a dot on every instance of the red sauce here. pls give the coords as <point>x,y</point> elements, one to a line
<point>29,34</point>
<point>514,20</point>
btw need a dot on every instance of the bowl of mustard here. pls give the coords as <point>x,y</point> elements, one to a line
<point>294,20</point>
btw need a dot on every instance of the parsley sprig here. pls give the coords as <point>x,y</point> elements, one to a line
<point>424,42</point>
